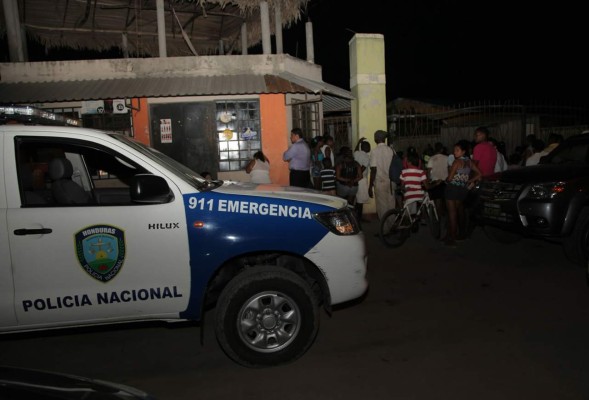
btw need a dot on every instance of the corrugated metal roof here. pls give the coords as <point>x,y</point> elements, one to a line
<point>316,86</point>
<point>335,104</point>
<point>45,92</point>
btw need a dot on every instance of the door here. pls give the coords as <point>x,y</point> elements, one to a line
<point>103,259</point>
<point>187,132</point>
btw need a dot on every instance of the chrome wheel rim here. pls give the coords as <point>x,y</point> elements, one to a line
<point>268,322</point>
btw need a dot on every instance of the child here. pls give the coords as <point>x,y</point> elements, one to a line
<point>327,175</point>
<point>413,180</point>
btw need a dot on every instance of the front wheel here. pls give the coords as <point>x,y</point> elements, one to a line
<point>433,221</point>
<point>266,316</point>
<point>394,228</point>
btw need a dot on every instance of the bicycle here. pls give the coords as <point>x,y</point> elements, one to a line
<point>397,224</point>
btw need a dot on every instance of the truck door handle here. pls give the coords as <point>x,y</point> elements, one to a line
<point>22,231</point>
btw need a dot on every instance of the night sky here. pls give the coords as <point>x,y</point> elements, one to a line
<point>452,51</point>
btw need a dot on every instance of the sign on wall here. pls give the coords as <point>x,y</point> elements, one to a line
<point>92,107</point>
<point>119,107</point>
<point>166,130</point>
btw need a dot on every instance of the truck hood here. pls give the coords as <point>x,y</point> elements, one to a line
<point>544,173</point>
<point>281,192</point>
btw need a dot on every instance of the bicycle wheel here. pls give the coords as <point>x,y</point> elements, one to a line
<point>433,221</point>
<point>393,230</point>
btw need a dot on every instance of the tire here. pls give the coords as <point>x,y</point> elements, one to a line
<point>433,221</point>
<point>575,246</point>
<point>266,316</point>
<point>501,236</point>
<point>392,232</point>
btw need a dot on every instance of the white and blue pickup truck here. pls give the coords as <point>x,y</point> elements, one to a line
<point>96,228</point>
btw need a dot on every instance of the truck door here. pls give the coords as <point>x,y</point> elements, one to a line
<point>88,254</point>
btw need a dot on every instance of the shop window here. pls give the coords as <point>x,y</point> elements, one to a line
<point>305,115</point>
<point>238,133</point>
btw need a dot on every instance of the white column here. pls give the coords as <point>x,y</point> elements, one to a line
<point>13,32</point>
<point>125,45</point>
<point>161,28</point>
<point>244,39</point>
<point>278,28</point>
<point>265,23</point>
<point>309,41</point>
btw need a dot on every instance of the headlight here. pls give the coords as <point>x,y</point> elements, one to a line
<point>542,191</point>
<point>340,222</point>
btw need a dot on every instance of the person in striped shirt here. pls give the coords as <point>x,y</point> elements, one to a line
<point>414,182</point>
<point>327,176</point>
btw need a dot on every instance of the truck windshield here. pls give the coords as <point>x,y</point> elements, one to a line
<point>181,170</point>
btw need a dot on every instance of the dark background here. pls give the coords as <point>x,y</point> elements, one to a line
<point>441,51</point>
<point>453,50</point>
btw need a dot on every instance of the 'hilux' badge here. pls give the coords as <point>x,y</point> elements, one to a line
<point>101,251</point>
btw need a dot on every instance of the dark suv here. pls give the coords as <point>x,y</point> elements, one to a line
<point>549,200</point>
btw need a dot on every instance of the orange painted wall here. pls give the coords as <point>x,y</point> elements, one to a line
<point>275,137</point>
<point>141,120</point>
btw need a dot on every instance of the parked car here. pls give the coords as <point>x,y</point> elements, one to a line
<point>96,228</point>
<point>23,383</point>
<point>549,200</point>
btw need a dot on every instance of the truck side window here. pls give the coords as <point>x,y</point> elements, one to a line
<point>61,173</point>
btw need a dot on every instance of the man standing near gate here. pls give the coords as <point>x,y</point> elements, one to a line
<point>298,156</point>
<point>380,185</point>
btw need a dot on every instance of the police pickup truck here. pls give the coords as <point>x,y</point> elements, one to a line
<point>96,228</point>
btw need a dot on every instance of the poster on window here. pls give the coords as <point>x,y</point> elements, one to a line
<point>166,130</point>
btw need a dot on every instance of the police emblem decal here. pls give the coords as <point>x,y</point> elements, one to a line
<point>101,251</point>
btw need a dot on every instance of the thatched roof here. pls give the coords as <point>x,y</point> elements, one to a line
<point>100,24</point>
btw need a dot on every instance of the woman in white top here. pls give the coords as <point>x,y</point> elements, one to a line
<point>259,168</point>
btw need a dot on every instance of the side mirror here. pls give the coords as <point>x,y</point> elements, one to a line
<point>150,189</point>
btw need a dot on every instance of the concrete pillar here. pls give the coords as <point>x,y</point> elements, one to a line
<point>368,86</point>
<point>278,28</point>
<point>125,45</point>
<point>244,39</point>
<point>161,28</point>
<point>13,31</point>
<point>309,42</point>
<point>265,24</point>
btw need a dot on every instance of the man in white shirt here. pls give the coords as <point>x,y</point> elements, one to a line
<point>362,157</point>
<point>380,185</point>
<point>437,168</point>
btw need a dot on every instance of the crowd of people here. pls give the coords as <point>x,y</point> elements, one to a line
<point>362,173</point>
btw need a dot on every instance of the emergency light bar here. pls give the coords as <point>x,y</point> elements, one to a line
<point>32,115</point>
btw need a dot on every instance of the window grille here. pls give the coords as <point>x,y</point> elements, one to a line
<point>238,133</point>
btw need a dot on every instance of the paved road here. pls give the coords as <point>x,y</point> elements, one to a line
<point>481,321</point>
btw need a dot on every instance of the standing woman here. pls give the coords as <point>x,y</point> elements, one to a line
<point>259,168</point>
<point>462,174</point>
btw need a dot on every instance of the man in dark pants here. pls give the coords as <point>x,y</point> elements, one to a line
<point>298,156</point>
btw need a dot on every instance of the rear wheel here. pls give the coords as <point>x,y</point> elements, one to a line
<point>433,221</point>
<point>394,228</point>
<point>266,316</point>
